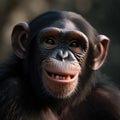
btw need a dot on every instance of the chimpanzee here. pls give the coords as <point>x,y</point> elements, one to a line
<point>53,72</point>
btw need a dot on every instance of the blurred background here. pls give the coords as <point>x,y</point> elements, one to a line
<point>104,15</point>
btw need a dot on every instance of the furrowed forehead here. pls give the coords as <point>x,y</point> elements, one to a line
<point>43,21</point>
<point>49,18</point>
<point>61,19</point>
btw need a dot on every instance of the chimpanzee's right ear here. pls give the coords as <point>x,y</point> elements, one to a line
<point>19,38</point>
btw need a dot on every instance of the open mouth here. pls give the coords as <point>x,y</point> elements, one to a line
<point>60,83</point>
<point>60,76</point>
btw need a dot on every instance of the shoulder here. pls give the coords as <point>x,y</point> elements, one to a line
<point>102,104</point>
<point>105,101</point>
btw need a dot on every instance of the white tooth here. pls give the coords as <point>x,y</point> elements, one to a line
<point>68,77</point>
<point>56,77</point>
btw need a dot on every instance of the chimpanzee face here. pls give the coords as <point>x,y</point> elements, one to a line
<point>64,50</point>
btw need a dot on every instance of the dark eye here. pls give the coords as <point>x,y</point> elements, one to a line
<point>50,41</point>
<point>74,44</point>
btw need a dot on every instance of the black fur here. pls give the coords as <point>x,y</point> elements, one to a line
<point>19,100</point>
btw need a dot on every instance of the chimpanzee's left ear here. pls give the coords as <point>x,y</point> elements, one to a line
<point>100,50</point>
<point>19,38</point>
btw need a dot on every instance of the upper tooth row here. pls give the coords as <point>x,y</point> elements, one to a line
<point>61,77</point>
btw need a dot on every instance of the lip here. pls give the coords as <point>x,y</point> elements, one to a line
<point>66,77</point>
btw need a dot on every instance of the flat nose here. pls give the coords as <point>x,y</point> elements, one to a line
<point>63,54</point>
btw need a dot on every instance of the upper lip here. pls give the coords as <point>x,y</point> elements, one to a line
<point>60,73</point>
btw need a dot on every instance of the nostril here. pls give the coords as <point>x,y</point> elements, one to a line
<point>62,54</point>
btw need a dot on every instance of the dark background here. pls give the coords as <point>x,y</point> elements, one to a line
<point>104,15</point>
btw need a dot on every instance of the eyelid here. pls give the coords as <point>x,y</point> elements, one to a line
<point>74,41</point>
<point>48,40</point>
<point>50,34</point>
